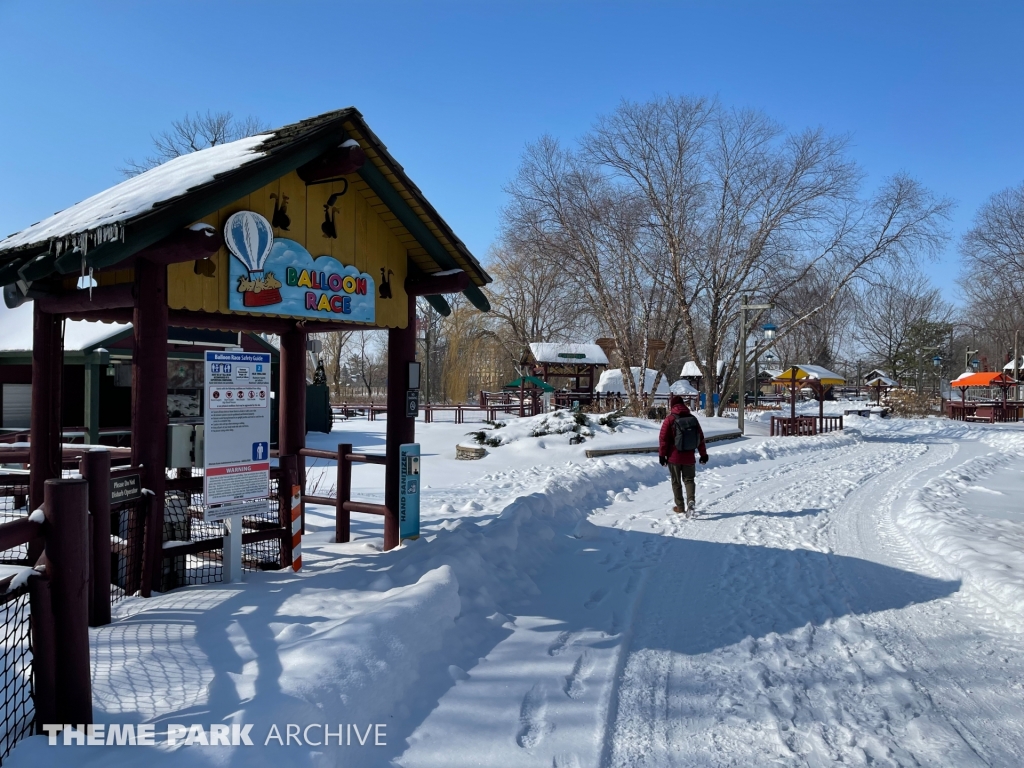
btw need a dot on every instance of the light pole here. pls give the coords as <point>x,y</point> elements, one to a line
<point>768,333</point>
<point>936,363</point>
<point>742,387</point>
<point>968,363</point>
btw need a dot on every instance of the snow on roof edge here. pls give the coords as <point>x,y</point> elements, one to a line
<point>548,352</point>
<point>110,208</point>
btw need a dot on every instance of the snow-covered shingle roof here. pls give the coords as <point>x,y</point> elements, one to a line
<point>112,226</point>
<point>105,213</point>
<point>568,354</point>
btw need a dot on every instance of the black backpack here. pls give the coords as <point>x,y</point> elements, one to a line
<point>687,432</point>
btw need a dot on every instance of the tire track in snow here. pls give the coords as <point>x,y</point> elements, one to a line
<point>679,712</point>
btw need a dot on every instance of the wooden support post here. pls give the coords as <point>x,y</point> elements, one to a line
<point>92,400</point>
<point>291,410</point>
<point>400,429</point>
<point>792,394</point>
<point>44,652</point>
<point>95,469</point>
<point>342,517</point>
<point>65,507</point>
<point>289,476</point>
<point>149,407</point>
<point>45,425</point>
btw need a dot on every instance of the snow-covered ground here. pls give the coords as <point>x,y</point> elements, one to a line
<point>853,598</point>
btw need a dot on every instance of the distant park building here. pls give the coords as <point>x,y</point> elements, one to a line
<point>568,367</point>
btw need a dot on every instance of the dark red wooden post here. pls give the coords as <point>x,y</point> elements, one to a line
<point>44,653</point>
<point>65,507</point>
<point>149,406</point>
<point>289,474</point>
<point>45,422</point>
<point>342,517</point>
<point>400,429</point>
<point>792,395</point>
<point>96,470</point>
<point>291,410</point>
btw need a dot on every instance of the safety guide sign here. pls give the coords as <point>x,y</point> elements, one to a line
<point>237,427</point>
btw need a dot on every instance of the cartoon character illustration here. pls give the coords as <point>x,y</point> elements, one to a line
<point>328,227</point>
<point>281,219</point>
<point>250,237</point>
<point>385,283</point>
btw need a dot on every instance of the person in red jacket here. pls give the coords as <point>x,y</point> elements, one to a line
<point>679,431</point>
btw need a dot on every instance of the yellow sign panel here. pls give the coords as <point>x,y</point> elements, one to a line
<point>332,220</point>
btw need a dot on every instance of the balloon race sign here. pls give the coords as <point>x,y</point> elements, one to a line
<point>279,276</point>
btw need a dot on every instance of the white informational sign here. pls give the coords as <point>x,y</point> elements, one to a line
<point>237,427</point>
<point>224,511</point>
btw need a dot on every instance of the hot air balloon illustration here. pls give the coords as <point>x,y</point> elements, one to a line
<point>250,237</point>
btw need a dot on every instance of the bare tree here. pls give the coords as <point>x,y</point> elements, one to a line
<point>992,275</point>
<point>994,245</point>
<point>192,133</point>
<point>593,233</point>
<point>731,204</point>
<point>532,299</point>
<point>368,360</point>
<point>902,320</point>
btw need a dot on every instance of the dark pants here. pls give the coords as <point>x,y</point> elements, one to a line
<point>683,474</point>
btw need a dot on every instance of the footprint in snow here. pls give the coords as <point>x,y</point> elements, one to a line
<point>533,724</point>
<point>596,597</point>
<point>560,643</point>
<point>575,681</point>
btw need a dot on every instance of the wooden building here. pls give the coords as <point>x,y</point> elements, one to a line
<point>569,368</point>
<point>96,404</point>
<point>310,227</point>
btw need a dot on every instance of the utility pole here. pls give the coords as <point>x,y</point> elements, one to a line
<point>742,385</point>
<point>1016,364</point>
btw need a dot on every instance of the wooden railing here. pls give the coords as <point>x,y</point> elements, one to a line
<point>789,426</point>
<point>342,502</point>
<point>829,423</point>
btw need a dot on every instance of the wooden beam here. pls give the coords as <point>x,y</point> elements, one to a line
<point>149,407</point>
<point>340,161</point>
<point>108,297</point>
<point>45,419</point>
<point>433,286</point>
<point>291,405</point>
<point>401,352</point>
<point>184,245</point>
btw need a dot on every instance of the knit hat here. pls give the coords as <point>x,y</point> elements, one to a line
<point>675,400</point>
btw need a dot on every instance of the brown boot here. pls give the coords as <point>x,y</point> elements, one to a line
<point>677,510</point>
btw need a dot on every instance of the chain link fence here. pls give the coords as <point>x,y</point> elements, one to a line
<point>14,505</point>
<point>17,709</point>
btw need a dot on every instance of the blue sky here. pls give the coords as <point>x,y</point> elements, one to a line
<point>456,89</point>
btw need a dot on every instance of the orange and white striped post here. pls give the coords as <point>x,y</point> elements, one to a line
<point>296,528</point>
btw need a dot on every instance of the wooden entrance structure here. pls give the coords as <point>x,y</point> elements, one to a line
<point>347,243</point>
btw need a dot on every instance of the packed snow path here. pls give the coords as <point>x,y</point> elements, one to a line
<point>854,598</point>
<point>792,623</point>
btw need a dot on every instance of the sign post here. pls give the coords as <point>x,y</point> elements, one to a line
<point>409,491</point>
<point>237,453</point>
